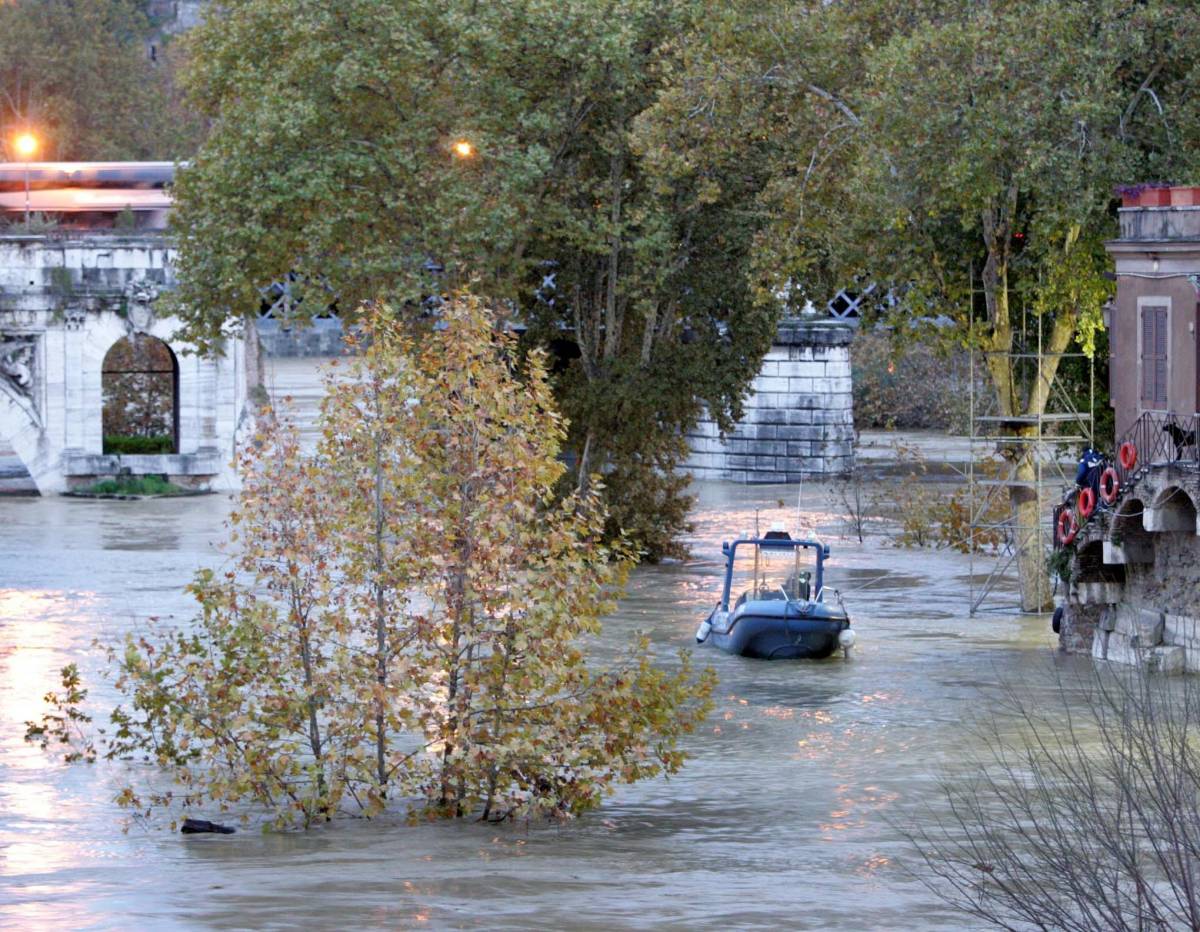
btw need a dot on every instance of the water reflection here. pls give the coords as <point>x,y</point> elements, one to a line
<point>35,843</point>
<point>796,783</point>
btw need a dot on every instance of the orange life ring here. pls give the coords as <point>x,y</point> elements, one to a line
<point>1067,528</point>
<point>1127,455</point>
<point>1110,485</point>
<point>1087,503</point>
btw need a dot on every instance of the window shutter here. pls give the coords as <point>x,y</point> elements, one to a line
<point>1160,357</point>
<point>1147,356</point>
<point>1155,357</point>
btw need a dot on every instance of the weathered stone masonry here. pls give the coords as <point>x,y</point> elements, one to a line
<point>1134,595</point>
<point>64,301</point>
<point>799,421</point>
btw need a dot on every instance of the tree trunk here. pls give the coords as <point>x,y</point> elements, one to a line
<point>612,320</point>
<point>1033,577</point>
<point>381,619</point>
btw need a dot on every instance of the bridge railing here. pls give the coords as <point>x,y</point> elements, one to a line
<point>1156,440</point>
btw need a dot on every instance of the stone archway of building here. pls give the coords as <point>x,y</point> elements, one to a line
<point>139,381</point>
<point>1173,510</point>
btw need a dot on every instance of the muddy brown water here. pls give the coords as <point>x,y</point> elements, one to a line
<point>788,815</point>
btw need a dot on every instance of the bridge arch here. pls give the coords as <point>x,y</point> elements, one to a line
<point>1173,509</point>
<point>139,384</point>
<point>68,301</point>
<point>1128,518</point>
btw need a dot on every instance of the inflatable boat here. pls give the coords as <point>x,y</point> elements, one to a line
<point>781,612</point>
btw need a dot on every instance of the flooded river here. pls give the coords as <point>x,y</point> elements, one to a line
<point>789,814</point>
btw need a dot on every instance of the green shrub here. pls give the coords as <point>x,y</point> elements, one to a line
<point>157,443</point>
<point>134,485</point>
<point>909,387</point>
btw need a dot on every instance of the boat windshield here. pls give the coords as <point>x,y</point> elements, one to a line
<point>769,573</point>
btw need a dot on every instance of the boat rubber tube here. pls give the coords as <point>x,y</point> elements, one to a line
<point>1110,485</point>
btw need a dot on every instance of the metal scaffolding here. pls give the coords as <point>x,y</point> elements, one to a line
<point>1050,439</point>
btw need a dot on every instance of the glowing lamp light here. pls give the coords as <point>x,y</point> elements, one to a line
<point>27,144</point>
<point>463,149</point>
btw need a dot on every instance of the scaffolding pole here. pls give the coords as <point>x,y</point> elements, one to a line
<point>1049,437</point>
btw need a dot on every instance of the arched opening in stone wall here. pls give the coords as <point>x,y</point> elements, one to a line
<point>1127,522</point>
<point>1176,511</point>
<point>139,382</point>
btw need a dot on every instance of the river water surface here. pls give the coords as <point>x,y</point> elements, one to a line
<point>790,814</point>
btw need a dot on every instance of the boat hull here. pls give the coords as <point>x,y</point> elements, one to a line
<point>773,635</point>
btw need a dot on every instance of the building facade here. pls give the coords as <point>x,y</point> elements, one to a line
<point>1152,326</point>
<point>1134,563</point>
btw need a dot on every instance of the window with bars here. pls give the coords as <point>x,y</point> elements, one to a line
<point>1155,355</point>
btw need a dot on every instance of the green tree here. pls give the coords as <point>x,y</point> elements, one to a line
<point>79,74</point>
<point>405,615</point>
<point>333,159</point>
<point>935,146</point>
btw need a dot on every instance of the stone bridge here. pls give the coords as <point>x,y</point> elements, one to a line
<point>67,303</point>
<point>1134,594</point>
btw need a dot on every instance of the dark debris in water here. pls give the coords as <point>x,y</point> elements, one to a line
<point>203,826</point>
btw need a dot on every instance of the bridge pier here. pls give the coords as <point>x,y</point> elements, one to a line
<point>799,421</point>
<point>65,301</point>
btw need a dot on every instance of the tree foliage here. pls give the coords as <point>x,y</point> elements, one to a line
<point>332,159</point>
<point>963,155</point>
<point>405,615</point>
<point>78,73</point>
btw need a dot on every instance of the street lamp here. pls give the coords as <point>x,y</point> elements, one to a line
<point>27,145</point>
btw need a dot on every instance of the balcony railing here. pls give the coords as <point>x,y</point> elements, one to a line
<point>1155,441</point>
<point>1158,440</point>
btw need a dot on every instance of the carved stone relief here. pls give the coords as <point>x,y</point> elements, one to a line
<point>140,296</point>
<point>75,317</point>
<point>18,370</point>
<point>17,362</point>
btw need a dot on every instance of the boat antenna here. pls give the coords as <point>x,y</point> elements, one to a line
<point>796,565</point>
<point>757,537</point>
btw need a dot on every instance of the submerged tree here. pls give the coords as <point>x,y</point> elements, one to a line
<point>405,613</point>
<point>1079,818</point>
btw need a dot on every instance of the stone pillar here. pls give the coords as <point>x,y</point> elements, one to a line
<point>1077,632</point>
<point>799,421</point>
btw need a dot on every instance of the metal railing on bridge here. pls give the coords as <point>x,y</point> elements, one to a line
<point>1156,440</point>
